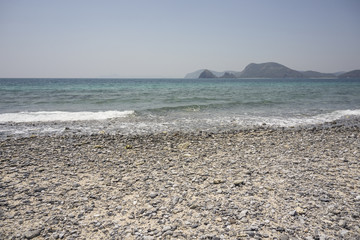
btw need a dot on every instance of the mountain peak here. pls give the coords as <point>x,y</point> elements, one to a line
<point>228,75</point>
<point>269,70</point>
<point>207,74</point>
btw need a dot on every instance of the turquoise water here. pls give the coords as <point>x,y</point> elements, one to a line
<point>125,105</point>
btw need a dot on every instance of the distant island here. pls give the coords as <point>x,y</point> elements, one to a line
<point>270,70</point>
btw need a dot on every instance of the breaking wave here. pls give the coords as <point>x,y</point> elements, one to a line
<point>62,116</point>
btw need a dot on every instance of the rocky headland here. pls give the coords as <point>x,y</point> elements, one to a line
<point>271,70</point>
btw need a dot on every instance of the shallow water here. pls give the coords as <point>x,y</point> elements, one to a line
<point>53,106</point>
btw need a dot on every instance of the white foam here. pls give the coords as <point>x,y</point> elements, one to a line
<point>49,116</point>
<point>248,120</point>
<point>316,119</point>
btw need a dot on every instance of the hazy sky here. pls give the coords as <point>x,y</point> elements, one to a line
<point>153,38</point>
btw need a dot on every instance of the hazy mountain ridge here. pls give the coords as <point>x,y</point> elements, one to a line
<point>314,74</point>
<point>351,74</point>
<point>197,73</point>
<point>270,70</point>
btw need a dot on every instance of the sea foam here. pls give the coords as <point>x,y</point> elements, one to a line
<point>49,116</point>
<point>309,120</point>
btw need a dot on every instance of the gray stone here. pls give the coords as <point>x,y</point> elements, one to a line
<point>168,233</point>
<point>342,223</point>
<point>195,225</point>
<point>167,228</point>
<point>292,213</point>
<point>243,213</point>
<point>175,200</point>
<point>153,194</point>
<point>344,232</point>
<point>62,234</point>
<point>322,237</point>
<point>148,238</point>
<point>284,237</point>
<point>39,189</point>
<point>254,228</point>
<point>250,233</point>
<point>325,199</point>
<point>32,234</point>
<point>238,183</point>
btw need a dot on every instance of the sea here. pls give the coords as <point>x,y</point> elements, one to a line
<point>144,106</point>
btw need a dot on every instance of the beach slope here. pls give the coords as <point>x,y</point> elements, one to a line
<point>260,183</point>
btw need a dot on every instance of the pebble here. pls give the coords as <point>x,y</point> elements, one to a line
<point>195,225</point>
<point>218,181</point>
<point>292,213</point>
<point>284,237</point>
<point>254,228</point>
<point>153,194</point>
<point>148,238</point>
<point>238,183</point>
<point>342,223</point>
<point>257,183</point>
<point>243,214</point>
<point>344,233</point>
<point>175,200</point>
<point>32,234</point>
<point>166,228</point>
<point>299,210</point>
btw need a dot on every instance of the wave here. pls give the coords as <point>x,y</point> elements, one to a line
<point>335,115</point>
<point>185,108</point>
<point>309,120</point>
<point>339,114</point>
<point>49,116</point>
<point>225,105</point>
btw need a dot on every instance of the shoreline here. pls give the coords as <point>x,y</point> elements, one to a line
<point>260,183</point>
<point>134,127</point>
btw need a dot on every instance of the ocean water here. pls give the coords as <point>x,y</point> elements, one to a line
<point>136,106</point>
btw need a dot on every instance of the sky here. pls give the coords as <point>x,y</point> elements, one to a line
<point>169,38</point>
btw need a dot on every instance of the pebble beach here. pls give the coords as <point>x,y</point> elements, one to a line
<point>262,183</point>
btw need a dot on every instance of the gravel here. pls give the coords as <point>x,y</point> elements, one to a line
<point>255,183</point>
